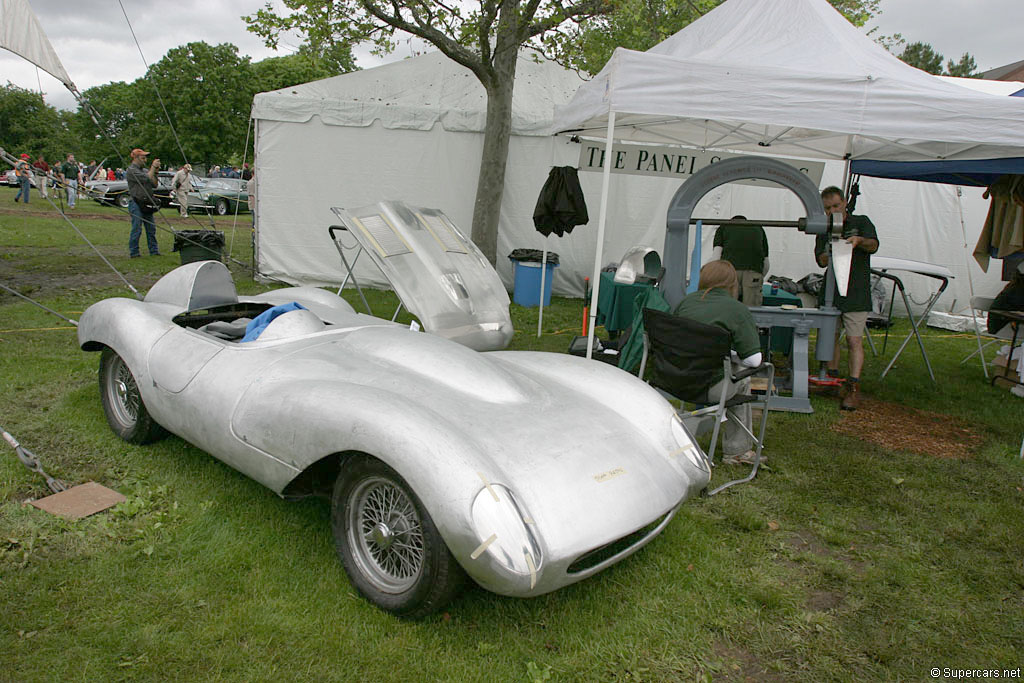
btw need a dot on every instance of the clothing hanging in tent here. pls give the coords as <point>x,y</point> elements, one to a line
<point>1003,232</point>
<point>560,206</point>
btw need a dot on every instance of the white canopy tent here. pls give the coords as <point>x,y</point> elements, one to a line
<point>789,78</point>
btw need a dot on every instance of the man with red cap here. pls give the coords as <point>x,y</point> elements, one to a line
<point>141,186</point>
<point>23,171</point>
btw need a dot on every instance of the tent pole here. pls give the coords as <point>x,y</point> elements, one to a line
<point>963,231</point>
<point>606,174</point>
<point>543,272</point>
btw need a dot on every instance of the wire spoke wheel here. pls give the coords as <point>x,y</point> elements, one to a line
<point>386,535</point>
<point>390,547</point>
<point>122,402</point>
<point>123,392</point>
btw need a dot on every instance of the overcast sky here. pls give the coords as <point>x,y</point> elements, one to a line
<point>92,39</point>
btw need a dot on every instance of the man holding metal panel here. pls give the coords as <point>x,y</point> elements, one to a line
<point>855,305</point>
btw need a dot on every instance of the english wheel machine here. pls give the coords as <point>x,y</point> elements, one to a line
<point>816,222</point>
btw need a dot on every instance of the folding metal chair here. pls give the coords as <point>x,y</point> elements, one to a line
<point>983,304</point>
<point>687,356</point>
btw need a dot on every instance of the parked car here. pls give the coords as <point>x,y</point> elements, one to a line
<point>11,178</point>
<point>526,471</point>
<point>111,192</point>
<point>222,196</point>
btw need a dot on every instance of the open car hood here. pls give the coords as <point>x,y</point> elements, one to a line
<point>439,274</point>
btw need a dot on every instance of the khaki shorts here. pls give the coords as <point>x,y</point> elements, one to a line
<point>854,323</point>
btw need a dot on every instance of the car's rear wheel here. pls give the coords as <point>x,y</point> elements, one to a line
<point>221,207</point>
<point>390,547</point>
<point>122,402</point>
<point>123,200</point>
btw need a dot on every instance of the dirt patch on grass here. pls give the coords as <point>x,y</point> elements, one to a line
<point>823,600</point>
<point>740,665</point>
<point>900,428</point>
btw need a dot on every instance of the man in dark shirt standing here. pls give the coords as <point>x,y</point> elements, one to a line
<point>68,172</point>
<point>141,184</point>
<point>746,248</point>
<point>859,231</point>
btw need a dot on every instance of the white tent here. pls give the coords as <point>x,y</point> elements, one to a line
<point>789,77</point>
<point>410,130</point>
<point>413,130</point>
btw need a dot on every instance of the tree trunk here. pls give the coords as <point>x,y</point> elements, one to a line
<point>491,182</point>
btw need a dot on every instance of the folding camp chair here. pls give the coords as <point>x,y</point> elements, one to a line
<point>982,304</point>
<point>686,358</point>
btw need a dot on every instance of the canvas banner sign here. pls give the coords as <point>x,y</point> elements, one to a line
<point>674,162</point>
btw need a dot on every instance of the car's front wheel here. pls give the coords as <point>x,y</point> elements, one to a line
<point>123,200</point>
<point>122,402</point>
<point>393,554</point>
<point>221,207</point>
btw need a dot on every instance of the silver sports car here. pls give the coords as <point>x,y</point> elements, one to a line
<point>525,471</point>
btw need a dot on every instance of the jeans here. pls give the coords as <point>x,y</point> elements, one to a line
<point>72,192</point>
<point>138,218</point>
<point>23,181</point>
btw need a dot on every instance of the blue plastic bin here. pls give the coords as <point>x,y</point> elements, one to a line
<point>526,283</point>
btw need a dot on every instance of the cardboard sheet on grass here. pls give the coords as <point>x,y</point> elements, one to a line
<point>79,501</point>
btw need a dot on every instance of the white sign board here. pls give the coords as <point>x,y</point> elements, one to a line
<point>674,162</point>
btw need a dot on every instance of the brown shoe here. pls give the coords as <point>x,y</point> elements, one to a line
<point>852,398</point>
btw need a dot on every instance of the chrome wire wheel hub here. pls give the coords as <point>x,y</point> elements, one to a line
<point>386,535</point>
<point>125,393</point>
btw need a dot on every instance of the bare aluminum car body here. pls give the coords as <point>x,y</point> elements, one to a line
<point>530,464</point>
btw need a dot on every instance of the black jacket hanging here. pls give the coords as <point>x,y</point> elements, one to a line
<point>560,206</point>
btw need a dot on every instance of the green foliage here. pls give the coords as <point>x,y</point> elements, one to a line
<point>922,56</point>
<point>965,68</point>
<point>207,92</point>
<point>29,125</point>
<point>115,103</point>
<point>280,72</point>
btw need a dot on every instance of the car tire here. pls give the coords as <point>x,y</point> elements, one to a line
<point>122,402</point>
<point>221,207</point>
<point>123,200</point>
<point>390,548</point>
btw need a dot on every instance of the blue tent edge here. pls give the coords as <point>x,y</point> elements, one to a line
<point>971,172</point>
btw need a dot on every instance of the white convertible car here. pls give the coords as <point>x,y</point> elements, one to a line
<point>525,471</point>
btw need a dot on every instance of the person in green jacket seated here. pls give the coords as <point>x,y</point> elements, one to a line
<point>715,303</point>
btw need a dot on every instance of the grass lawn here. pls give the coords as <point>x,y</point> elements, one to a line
<point>879,544</point>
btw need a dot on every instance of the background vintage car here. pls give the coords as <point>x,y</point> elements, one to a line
<point>111,192</point>
<point>221,196</point>
<point>11,179</point>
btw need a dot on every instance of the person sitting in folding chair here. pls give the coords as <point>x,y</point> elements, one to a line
<point>715,303</point>
<point>1010,299</point>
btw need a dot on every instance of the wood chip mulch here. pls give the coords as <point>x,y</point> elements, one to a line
<point>900,428</point>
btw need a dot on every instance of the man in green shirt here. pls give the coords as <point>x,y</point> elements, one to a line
<point>746,248</point>
<point>714,303</point>
<point>859,231</point>
<point>68,172</point>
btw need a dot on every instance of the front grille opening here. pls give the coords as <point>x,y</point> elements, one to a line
<point>598,555</point>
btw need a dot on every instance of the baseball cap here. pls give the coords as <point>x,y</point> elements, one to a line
<point>137,152</point>
<point>24,156</point>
